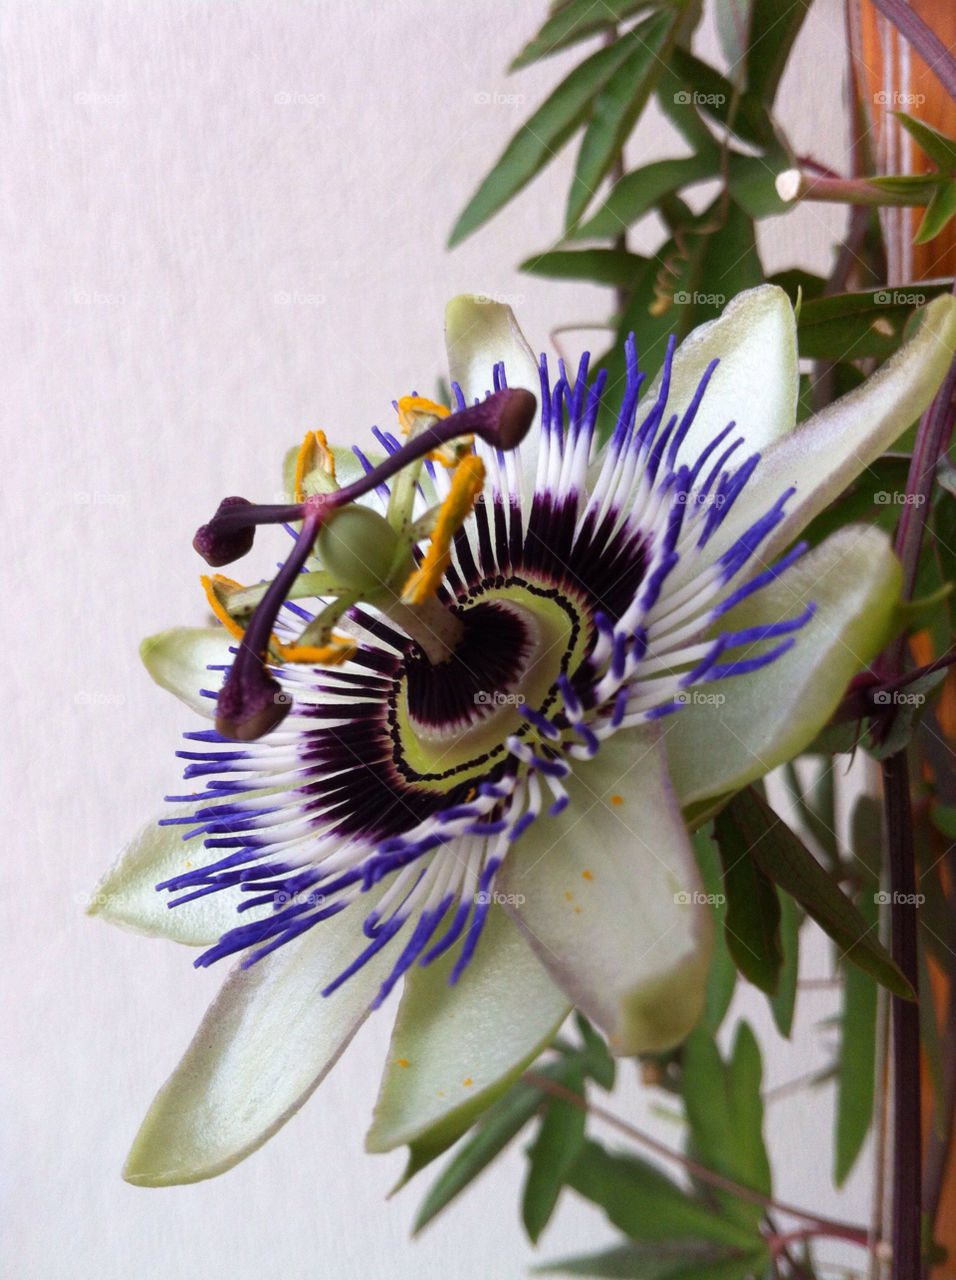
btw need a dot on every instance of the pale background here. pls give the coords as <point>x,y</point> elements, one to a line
<point>161,203</point>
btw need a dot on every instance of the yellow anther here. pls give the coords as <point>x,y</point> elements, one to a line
<point>218,590</point>
<point>465,487</point>
<point>314,456</point>
<point>416,414</point>
<point>328,655</point>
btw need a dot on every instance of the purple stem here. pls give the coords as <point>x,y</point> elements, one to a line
<point>925,41</point>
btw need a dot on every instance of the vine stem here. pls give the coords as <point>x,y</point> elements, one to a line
<point>818,1225</point>
<point>932,437</point>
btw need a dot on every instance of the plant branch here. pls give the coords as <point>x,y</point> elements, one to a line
<point>819,1224</point>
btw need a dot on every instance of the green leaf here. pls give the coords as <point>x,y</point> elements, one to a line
<point>909,703</point>
<point>856,1060</point>
<point>733,29</point>
<point>914,188</point>
<point>677,105</point>
<point>596,1061</point>
<point>646,1205</point>
<point>774,26</point>
<point>784,1002</point>
<point>930,1047</point>
<point>540,138</point>
<point>943,818</point>
<point>937,146</point>
<point>850,326</point>
<point>614,267</point>
<point>787,862</point>
<point>618,105</point>
<point>872,499</point>
<point>723,972</point>
<point>730,262</point>
<point>572,21</point>
<point>752,182</point>
<point>639,191</point>
<point>866,835</point>
<point>557,1144</point>
<point>816,806</point>
<point>744,114</point>
<point>744,1079</point>
<point>663,1260</point>
<point>796,283</point>
<point>752,915</point>
<point>717,1114</point>
<point>502,1122</point>
<point>941,208</point>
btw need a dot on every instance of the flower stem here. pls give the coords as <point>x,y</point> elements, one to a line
<point>925,41</point>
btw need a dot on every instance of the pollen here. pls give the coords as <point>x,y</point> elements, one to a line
<point>616,800</point>
<point>568,895</point>
<point>401,1062</point>
<point>458,505</point>
<point>467,1081</point>
<point>328,655</point>
<point>218,590</point>
<point>586,875</point>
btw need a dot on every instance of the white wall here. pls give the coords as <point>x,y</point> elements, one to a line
<point>159,202</point>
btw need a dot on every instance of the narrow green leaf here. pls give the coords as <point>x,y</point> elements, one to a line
<point>572,21</point>
<point>555,1148</point>
<point>614,267</point>
<point>597,1063</point>
<point>937,146</point>
<point>663,1260</point>
<point>730,262</point>
<point>916,188</point>
<point>733,31</point>
<point>752,915</point>
<point>744,1079</point>
<point>791,866</point>
<point>850,326</point>
<point>722,977</point>
<point>774,26</point>
<point>502,1122</point>
<point>744,114</point>
<point>646,1205</point>
<point>618,105</point>
<point>677,105</point>
<point>752,182</point>
<point>784,1002</point>
<point>795,282</point>
<point>866,836</point>
<point>941,208</point>
<point>856,1061</point>
<point>815,806</point>
<point>539,139</point>
<point>712,1122</point>
<point>639,191</point>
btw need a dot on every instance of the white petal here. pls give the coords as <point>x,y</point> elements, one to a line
<point>612,900</point>
<point>178,660</point>
<point>127,894</point>
<point>479,334</point>
<point>822,456</point>
<point>455,1049</point>
<point>768,716</point>
<point>266,1042</point>
<point>755,385</point>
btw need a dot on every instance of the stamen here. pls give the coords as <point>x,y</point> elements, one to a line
<point>457,506</point>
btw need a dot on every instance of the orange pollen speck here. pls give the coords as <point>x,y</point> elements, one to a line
<point>616,800</point>
<point>467,1080</point>
<point>401,1062</point>
<point>586,875</point>
<point>567,896</point>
